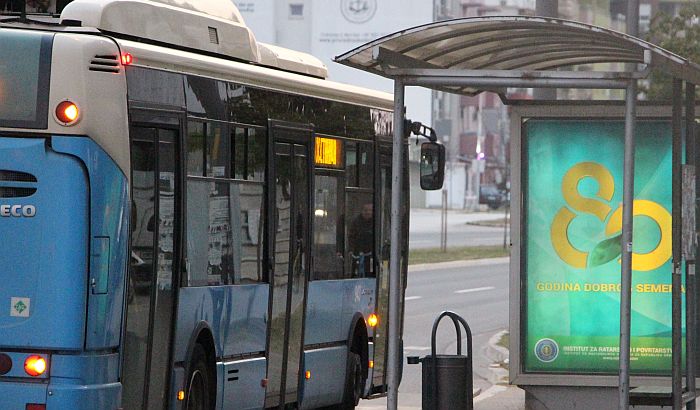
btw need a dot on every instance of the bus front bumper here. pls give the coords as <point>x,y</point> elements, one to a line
<point>16,395</point>
<point>80,397</point>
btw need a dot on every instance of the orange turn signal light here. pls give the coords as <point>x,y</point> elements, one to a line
<point>307,374</point>
<point>371,364</point>
<point>181,395</point>
<point>67,113</point>
<point>35,365</point>
<point>373,320</point>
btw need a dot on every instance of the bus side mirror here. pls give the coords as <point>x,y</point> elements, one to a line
<point>432,166</point>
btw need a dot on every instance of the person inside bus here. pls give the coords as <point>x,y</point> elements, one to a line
<point>361,241</point>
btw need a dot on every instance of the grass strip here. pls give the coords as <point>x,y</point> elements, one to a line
<point>494,223</point>
<point>504,341</point>
<point>434,255</point>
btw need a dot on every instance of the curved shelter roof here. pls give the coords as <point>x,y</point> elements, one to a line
<point>517,44</point>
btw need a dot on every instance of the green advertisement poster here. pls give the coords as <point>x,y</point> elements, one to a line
<point>573,222</point>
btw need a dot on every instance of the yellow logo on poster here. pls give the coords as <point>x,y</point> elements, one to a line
<point>599,206</point>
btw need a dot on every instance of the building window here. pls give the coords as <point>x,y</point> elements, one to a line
<point>296,11</point>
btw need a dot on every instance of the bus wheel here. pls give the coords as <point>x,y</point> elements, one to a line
<point>353,382</point>
<point>198,381</point>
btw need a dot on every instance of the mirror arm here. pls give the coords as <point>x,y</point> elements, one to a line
<point>420,130</point>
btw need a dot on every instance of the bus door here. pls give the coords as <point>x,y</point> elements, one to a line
<point>384,228</point>
<point>384,222</point>
<point>289,248</point>
<point>155,189</point>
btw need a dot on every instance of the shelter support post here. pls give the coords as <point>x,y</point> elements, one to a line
<point>626,270</point>
<point>676,340</point>
<point>690,279</point>
<point>546,8</point>
<point>627,205</point>
<point>395,249</point>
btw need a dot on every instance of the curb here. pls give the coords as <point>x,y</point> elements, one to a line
<point>380,404</point>
<point>490,392</point>
<point>497,354</point>
<point>457,264</point>
<point>494,352</point>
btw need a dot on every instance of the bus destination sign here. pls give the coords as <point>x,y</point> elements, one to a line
<point>329,152</point>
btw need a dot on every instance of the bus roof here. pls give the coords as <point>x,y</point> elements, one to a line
<point>211,26</point>
<point>155,56</point>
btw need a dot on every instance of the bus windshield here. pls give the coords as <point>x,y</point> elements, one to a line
<point>24,78</point>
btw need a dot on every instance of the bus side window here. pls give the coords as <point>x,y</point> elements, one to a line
<point>248,232</point>
<point>218,150</point>
<point>351,163</point>
<point>195,148</point>
<point>359,257</point>
<point>328,228</point>
<point>155,86</point>
<point>359,222</point>
<point>225,207</point>
<point>247,212</point>
<point>365,165</point>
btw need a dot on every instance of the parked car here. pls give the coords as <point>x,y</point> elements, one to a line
<point>492,196</point>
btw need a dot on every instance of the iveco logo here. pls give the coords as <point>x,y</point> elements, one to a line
<point>17,211</point>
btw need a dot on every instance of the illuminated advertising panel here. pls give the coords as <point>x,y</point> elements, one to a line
<point>571,246</point>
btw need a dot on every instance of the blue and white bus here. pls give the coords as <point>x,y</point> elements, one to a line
<point>190,219</point>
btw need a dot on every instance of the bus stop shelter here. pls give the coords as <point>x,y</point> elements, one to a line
<point>472,55</point>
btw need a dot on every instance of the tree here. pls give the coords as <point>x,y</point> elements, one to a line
<point>679,34</point>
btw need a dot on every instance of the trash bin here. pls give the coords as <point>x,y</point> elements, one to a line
<point>448,379</point>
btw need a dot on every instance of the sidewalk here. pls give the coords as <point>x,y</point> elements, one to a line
<point>499,396</point>
<point>503,398</point>
<point>495,398</point>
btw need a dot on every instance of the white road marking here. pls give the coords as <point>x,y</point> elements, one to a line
<point>419,348</point>
<point>413,297</point>
<point>475,289</point>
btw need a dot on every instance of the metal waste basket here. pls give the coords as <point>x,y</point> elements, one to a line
<point>448,379</point>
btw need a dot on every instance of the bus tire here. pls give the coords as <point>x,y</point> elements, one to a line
<point>353,382</point>
<point>198,381</point>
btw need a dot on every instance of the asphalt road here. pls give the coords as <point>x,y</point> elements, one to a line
<point>478,292</point>
<point>425,229</point>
